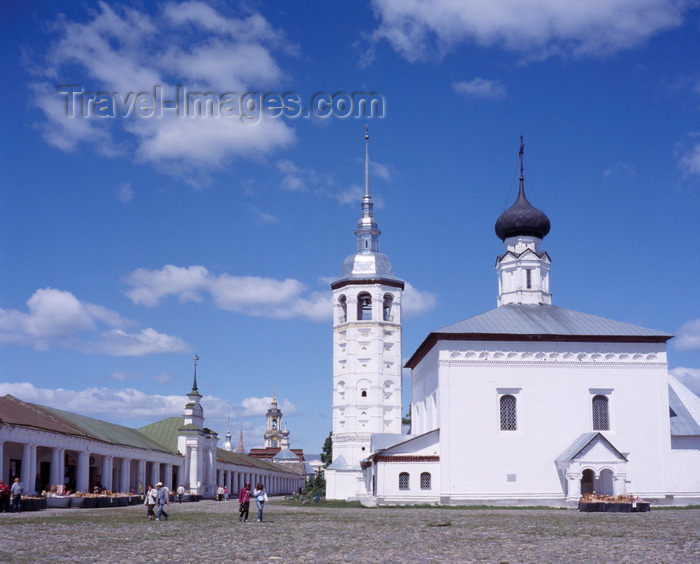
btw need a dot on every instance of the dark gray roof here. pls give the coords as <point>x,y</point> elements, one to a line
<point>540,322</point>
<point>522,218</point>
<point>577,447</point>
<point>685,410</point>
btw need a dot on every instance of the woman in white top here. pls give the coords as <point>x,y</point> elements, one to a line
<point>260,496</point>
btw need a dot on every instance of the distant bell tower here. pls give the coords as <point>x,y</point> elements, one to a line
<point>366,353</point>
<point>523,270</point>
<point>274,432</point>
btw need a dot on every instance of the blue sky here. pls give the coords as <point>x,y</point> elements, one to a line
<point>131,243</point>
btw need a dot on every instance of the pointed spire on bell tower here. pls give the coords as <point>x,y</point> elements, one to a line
<point>194,382</point>
<point>240,448</point>
<point>367,229</point>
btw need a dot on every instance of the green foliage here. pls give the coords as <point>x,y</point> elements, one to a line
<point>406,419</point>
<point>314,484</point>
<point>327,450</point>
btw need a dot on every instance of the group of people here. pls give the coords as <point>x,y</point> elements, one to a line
<point>222,493</point>
<point>14,493</point>
<point>160,496</point>
<point>260,496</point>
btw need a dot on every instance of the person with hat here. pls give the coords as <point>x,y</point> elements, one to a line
<point>162,498</point>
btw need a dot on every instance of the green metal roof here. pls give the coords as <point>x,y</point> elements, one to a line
<point>107,432</point>
<point>164,432</point>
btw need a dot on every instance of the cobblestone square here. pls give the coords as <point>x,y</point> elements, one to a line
<point>209,531</point>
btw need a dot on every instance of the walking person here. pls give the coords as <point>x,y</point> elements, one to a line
<point>17,490</point>
<point>4,497</point>
<point>244,502</point>
<point>180,493</point>
<point>162,498</point>
<point>150,502</point>
<point>260,496</point>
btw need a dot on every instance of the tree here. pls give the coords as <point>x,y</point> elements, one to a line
<point>327,450</point>
<point>406,420</point>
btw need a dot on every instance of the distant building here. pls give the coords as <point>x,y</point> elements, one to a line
<point>528,403</point>
<point>44,446</point>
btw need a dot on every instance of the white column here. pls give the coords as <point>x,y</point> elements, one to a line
<point>106,472</point>
<point>2,461</point>
<point>155,473</point>
<point>141,476</point>
<point>82,471</point>
<point>168,481</point>
<point>57,466</point>
<point>26,475</point>
<point>125,475</point>
<point>194,470</point>
<point>573,482</point>
<point>619,484</point>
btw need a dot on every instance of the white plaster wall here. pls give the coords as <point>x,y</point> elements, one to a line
<point>554,395</point>
<point>388,483</point>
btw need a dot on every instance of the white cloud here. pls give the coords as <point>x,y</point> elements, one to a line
<point>295,178</point>
<point>250,295</point>
<point>123,50</point>
<point>481,88</point>
<point>125,192</point>
<point>418,29</point>
<point>260,217</point>
<point>56,318</point>
<point>690,377</point>
<point>259,406</point>
<point>690,161</point>
<point>134,408</point>
<point>415,302</point>
<point>688,336</point>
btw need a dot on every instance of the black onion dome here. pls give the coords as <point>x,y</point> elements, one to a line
<point>522,218</point>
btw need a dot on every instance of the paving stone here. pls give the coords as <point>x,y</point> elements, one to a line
<point>209,531</point>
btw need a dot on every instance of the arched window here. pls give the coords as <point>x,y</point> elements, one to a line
<point>343,302</point>
<point>509,421</point>
<point>601,421</point>
<point>403,481</point>
<point>364,307</point>
<point>425,480</point>
<point>388,300</point>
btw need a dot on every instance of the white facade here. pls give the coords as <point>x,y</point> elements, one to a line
<point>529,403</point>
<point>46,447</point>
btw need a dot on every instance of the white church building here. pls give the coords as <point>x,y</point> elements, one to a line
<point>528,403</point>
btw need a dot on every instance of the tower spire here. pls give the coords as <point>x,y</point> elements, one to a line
<point>367,230</point>
<point>194,383</point>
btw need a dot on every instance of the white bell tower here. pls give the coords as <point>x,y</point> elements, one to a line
<point>366,354</point>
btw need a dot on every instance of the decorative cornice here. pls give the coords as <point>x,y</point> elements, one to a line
<point>406,458</point>
<point>491,357</point>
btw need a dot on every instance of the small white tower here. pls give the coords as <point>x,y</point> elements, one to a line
<point>523,270</point>
<point>366,353</point>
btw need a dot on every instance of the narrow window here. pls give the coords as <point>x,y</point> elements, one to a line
<point>403,481</point>
<point>528,278</point>
<point>425,480</point>
<point>343,302</point>
<point>509,421</point>
<point>364,307</point>
<point>388,300</point>
<point>601,421</point>
<point>364,393</point>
